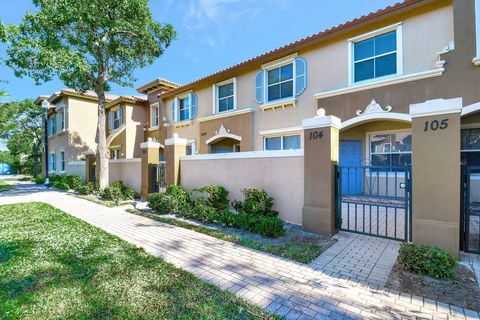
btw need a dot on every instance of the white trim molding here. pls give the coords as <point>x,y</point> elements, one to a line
<point>151,144</point>
<point>476,60</point>
<point>223,133</point>
<point>279,62</point>
<point>77,163</point>
<point>470,109</point>
<point>176,140</point>
<point>436,107</point>
<point>130,160</point>
<point>226,114</point>
<point>279,131</point>
<point>246,155</point>
<point>403,117</point>
<point>382,83</point>
<point>279,104</point>
<point>215,96</point>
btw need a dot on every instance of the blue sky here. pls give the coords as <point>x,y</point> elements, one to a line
<point>212,35</point>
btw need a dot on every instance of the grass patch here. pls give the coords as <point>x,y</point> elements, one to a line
<point>300,252</point>
<point>5,186</point>
<point>97,200</point>
<point>54,266</point>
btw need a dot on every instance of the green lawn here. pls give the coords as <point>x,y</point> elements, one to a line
<point>5,187</point>
<point>54,266</point>
<point>300,252</point>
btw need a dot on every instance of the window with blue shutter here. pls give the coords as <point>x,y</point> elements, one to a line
<point>259,86</point>
<point>175,109</point>
<point>193,105</point>
<point>300,76</point>
<point>110,121</point>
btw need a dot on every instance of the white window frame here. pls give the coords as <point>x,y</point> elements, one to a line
<point>216,99</point>
<point>116,153</point>
<point>53,125</point>
<point>281,136</point>
<point>155,115</point>
<point>116,111</point>
<point>53,162</point>
<point>368,143</point>
<point>62,161</point>
<point>179,111</point>
<point>395,27</point>
<point>274,65</point>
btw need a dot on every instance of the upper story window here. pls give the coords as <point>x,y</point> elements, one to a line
<point>281,80</point>
<point>184,107</point>
<point>154,115</point>
<point>377,54</point>
<point>52,125</point>
<point>282,142</point>
<point>61,115</point>
<point>115,118</point>
<point>225,96</point>
<point>390,148</point>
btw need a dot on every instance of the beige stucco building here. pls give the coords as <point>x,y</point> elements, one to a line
<point>378,113</point>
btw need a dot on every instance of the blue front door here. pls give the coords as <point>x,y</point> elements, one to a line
<point>351,164</point>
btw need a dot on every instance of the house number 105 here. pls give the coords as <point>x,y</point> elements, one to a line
<point>435,125</point>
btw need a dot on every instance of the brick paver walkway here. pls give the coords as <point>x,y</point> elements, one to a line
<point>291,289</point>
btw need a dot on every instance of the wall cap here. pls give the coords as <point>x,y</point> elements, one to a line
<point>436,107</point>
<point>321,121</point>
<point>246,155</point>
<point>125,160</point>
<point>176,140</point>
<point>150,144</point>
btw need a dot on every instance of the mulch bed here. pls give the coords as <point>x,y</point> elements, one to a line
<point>463,291</point>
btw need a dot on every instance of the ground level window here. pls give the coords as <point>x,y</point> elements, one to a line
<point>282,142</point>
<point>470,146</point>
<point>62,161</point>
<point>390,149</point>
<point>115,154</point>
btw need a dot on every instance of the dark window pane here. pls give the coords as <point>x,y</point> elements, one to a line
<point>386,65</point>
<point>225,90</point>
<point>364,49</point>
<point>470,139</point>
<point>286,72</point>
<point>273,143</point>
<point>274,76</point>
<point>225,104</point>
<point>364,70</point>
<point>380,160</point>
<point>471,158</point>
<point>386,43</point>
<point>286,89</point>
<point>184,114</point>
<point>274,92</point>
<point>401,159</point>
<point>291,142</point>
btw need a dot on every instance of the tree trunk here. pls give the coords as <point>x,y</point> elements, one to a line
<point>101,139</point>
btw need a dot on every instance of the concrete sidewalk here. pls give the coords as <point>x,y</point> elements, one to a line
<point>294,290</point>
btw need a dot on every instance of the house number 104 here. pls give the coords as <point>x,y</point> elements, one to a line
<point>435,125</point>
<point>314,135</point>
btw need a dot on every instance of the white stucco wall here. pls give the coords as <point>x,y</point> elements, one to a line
<point>128,171</point>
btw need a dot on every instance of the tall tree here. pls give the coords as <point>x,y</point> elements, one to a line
<point>21,126</point>
<point>89,45</point>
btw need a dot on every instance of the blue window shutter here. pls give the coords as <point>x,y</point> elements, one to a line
<point>193,105</point>
<point>175,110</point>
<point>121,115</point>
<point>259,86</point>
<point>110,120</point>
<point>300,76</point>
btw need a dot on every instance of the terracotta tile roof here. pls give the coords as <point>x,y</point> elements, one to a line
<point>291,47</point>
<point>131,99</point>
<point>88,94</point>
<point>159,82</point>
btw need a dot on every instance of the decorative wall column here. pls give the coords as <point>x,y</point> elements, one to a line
<point>150,155</point>
<point>175,148</point>
<point>321,148</point>
<point>436,173</point>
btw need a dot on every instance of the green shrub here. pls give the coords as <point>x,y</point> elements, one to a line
<point>216,196</point>
<point>430,261</point>
<point>73,181</point>
<point>117,191</point>
<point>61,185</point>
<point>39,179</point>
<point>69,180</point>
<point>161,202</point>
<point>257,203</point>
<point>86,189</point>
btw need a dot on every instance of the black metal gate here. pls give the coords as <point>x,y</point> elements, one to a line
<point>158,177</point>
<point>375,200</point>
<point>470,209</point>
